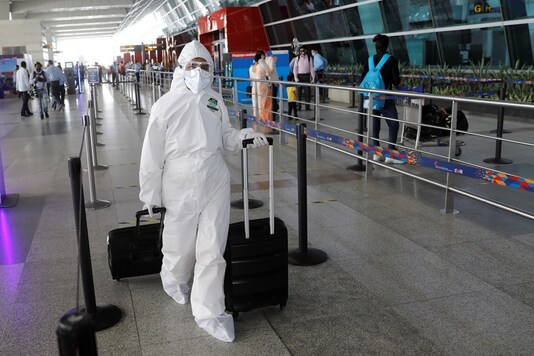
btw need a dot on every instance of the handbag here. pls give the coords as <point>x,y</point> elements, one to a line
<point>249,91</point>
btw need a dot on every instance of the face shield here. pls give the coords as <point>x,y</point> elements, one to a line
<point>205,69</point>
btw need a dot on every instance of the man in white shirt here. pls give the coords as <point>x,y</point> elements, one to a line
<point>304,73</point>
<point>23,87</point>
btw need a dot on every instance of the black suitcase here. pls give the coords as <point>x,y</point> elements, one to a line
<point>136,251</point>
<point>256,255</point>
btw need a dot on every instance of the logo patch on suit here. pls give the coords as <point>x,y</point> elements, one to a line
<point>213,105</point>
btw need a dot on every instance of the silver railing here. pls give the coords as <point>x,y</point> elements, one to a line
<point>435,161</point>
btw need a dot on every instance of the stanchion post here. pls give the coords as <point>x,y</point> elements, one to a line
<point>104,316</point>
<point>500,124</point>
<point>359,166</point>
<point>93,202</point>
<point>353,93</point>
<point>76,335</point>
<point>240,203</point>
<point>138,100</point>
<point>303,256</point>
<point>93,143</point>
<point>6,200</point>
<point>450,178</point>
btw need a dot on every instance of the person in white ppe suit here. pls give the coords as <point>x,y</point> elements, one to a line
<point>182,169</point>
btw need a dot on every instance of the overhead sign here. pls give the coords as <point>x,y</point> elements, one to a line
<point>93,76</point>
<point>148,47</point>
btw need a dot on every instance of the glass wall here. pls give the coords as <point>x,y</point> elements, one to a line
<point>422,32</point>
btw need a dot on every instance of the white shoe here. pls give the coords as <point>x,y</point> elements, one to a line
<point>394,161</point>
<point>181,296</point>
<point>220,327</point>
<point>378,158</point>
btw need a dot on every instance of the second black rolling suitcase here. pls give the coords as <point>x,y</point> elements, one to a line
<point>256,255</point>
<point>136,251</point>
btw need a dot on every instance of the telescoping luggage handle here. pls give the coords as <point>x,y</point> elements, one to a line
<point>247,142</point>
<point>145,212</point>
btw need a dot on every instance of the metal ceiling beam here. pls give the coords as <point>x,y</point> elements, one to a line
<point>78,15</point>
<point>63,5</point>
<point>78,23</point>
<point>84,29</point>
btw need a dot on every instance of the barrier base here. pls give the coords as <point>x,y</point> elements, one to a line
<point>309,258</point>
<point>357,168</point>
<point>503,131</point>
<point>105,317</point>
<point>9,201</point>
<point>252,204</point>
<point>445,212</point>
<point>494,160</point>
<point>140,113</point>
<point>99,204</point>
<point>100,167</point>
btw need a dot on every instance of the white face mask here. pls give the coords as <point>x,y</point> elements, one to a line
<point>195,81</point>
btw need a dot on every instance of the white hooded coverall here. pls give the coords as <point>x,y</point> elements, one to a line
<point>182,169</point>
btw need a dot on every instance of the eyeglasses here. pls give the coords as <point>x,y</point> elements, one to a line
<point>205,66</point>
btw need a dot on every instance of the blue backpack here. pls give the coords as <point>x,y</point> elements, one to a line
<point>373,80</point>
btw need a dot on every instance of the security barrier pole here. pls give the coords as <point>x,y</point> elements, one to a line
<point>353,94</point>
<point>317,114</point>
<point>93,202</point>
<point>138,100</point>
<point>359,166</point>
<point>76,335</point>
<point>449,196</point>
<point>92,142</point>
<point>6,201</point>
<point>104,316</point>
<point>131,92</point>
<point>93,106</point>
<point>240,203</point>
<point>94,133</point>
<point>303,256</point>
<point>500,130</point>
<point>96,102</point>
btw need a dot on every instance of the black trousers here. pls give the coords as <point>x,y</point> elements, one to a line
<point>25,111</point>
<point>304,78</point>
<point>292,108</point>
<point>54,87</point>
<point>319,78</point>
<point>62,94</point>
<point>275,106</point>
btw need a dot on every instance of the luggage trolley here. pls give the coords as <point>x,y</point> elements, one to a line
<point>412,128</point>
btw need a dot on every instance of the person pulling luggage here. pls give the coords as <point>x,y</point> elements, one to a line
<point>182,169</point>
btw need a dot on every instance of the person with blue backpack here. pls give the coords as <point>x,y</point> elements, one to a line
<point>382,72</point>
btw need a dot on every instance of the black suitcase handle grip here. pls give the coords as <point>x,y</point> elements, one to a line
<point>160,210</point>
<point>140,213</point>
<point>249,141</point>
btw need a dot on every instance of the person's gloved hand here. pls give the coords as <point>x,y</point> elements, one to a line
<point>259,139</point>
<point>149,207</point>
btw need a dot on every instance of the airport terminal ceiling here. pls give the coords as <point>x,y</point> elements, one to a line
<point>105,18</point>
<point>423,32</point>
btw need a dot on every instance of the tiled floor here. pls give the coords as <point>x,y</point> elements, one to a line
<point>401,278</point>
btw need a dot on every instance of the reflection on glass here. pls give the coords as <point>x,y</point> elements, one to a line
<point>421,49</point>
<point>474,46</point>
<point>331,25</point>
<point>370,18</point>
<point>515,9</point>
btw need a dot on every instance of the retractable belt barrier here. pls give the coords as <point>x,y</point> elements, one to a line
<point>413,158</point>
